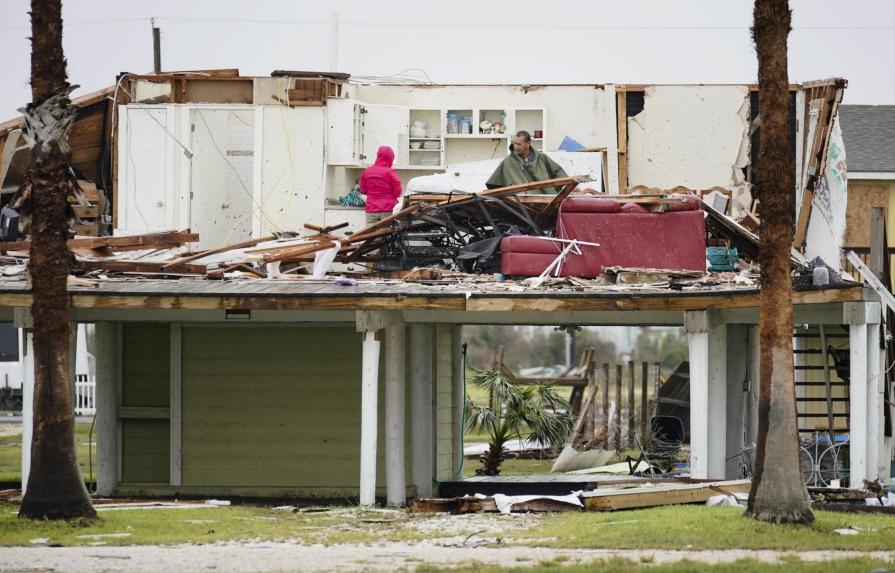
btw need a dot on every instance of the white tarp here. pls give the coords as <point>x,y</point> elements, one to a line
<point>826,226</point>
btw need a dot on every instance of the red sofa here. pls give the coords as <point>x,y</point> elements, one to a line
<point>629,236</point>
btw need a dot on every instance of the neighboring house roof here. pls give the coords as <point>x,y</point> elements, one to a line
<point>869,134</point>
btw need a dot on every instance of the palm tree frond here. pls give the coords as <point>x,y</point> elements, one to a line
<point>480,419</point>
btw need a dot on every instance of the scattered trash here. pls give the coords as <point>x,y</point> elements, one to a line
<point>571,459</point>
<point>887,500</point>
<point>621,468</point>
<point>506,503</point>
<point>218,502</point>
<point>103,535</point>
<point>726,500</point>
<point>851,530</point>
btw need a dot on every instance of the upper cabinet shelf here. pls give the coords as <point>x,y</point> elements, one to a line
<point>427,138</point>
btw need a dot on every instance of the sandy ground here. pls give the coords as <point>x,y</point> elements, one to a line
<point>11,428</point>
<point>274,557</point>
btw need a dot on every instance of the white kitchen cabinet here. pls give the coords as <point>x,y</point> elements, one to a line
<point>147,168</point>
<point>356,218</point>
<point>222,177</point>
<point>356,130</point>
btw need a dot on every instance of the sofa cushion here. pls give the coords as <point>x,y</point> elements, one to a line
<point>590,205</point>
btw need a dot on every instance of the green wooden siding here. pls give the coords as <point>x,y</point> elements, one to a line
<point>146,365</point>
<point>145,451</point>
<point>145,443</point>
<point>273,407</point>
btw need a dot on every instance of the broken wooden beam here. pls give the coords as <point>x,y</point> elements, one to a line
<point>326,230</point>
<point>141,267</point>
<point>665,494</point>
<point>130,242</point>
<point>222,249</point>
<point>553,206</point>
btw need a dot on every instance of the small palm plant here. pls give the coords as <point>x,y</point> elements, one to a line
<point>535,412</point>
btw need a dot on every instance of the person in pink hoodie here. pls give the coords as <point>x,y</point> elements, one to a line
<point>381,185</point>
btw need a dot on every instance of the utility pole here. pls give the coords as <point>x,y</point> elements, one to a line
<point>156,47</point>
<point>334,29</point>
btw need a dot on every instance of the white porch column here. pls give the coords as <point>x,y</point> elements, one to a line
<point>422,444</point>
<point>368,418</point>
<point>396,490</point>
<point>865,392</point>
<point>707,337</point>
<point>26,359</point>
<point>106,357</point>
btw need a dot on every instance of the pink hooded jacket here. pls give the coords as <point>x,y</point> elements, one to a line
<point>380,183</point>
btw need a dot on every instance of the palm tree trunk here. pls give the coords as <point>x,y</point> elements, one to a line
<point>778,493</point>
<point>55,488</point>
<point>491,460</point>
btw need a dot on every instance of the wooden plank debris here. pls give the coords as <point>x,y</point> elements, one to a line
<point>142,267</point>
<point>665,494</point>
<point>222,249</point>
<point>161,239</point>
<point>553,206</point>
<point>877,285</point>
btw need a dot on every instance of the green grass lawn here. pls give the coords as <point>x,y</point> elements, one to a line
<point>744,566</point>
<point>11,454</point>
<point>212,524</point>
<point>700,527</point>
<point>691,527</point>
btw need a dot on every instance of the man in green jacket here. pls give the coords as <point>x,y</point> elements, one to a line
<point>525,165</point>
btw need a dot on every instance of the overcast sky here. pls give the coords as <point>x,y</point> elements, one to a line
<point>462,41</point>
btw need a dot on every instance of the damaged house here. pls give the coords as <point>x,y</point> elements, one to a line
<point>281,347</point>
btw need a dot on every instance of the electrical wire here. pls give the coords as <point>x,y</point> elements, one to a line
<point>459,474</point>
<point>194,160</point>
<point>131,175</point>
<point>449,25</point>
<point>235,171</point>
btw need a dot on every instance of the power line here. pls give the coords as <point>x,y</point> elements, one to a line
<point>473,26</point>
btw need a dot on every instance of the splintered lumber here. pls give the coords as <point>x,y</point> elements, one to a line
<point>162,239</point>
<point>522,187</point>
<point>665,494</point>
<point>412,275</point>
<point>222,249</point>
<point>299,251</point>
<point>457,196</point>
<point>141,267</point>
<point>553,206</point>
<point>367,231</point>
<point>326,230</point>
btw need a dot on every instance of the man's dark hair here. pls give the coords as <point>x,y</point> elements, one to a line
<point>524,135</point>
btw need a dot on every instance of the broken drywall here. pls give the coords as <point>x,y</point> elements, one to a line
<point>826,226</point>
<point>695,136</point>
